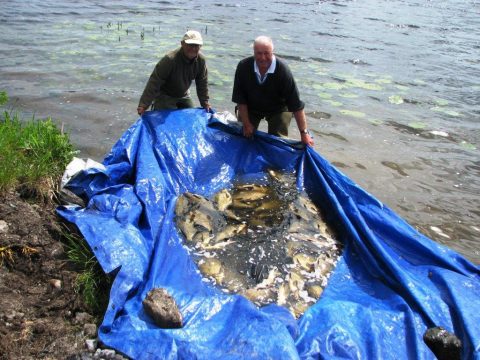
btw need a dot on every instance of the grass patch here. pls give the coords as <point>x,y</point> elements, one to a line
<point>91,283</point>
<point>34,154</point>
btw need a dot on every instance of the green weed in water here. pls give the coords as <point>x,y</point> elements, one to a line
<point>417,125</point>
<point>395,99</point>
<point>352,113</point>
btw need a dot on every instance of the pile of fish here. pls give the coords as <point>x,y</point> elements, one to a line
<point>264,240</point>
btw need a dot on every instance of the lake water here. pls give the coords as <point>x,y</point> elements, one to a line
<point>392,88</point>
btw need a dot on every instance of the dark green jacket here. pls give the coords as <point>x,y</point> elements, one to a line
<point>173,76</point>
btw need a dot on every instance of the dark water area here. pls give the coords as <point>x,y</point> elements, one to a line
<point>392,88</point>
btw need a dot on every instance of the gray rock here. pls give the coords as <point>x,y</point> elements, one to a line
<point>162,308</point>
<point>104,354</point>
<point>91,345</point>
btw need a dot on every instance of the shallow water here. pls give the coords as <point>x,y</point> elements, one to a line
<point>392,87</point>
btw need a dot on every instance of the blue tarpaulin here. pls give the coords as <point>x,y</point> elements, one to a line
<point>390,285</point>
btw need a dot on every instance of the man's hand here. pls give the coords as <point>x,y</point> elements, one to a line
<point>207,107</point>
<point>248,129</point>
<point>307,139</point>
<point>141,110</point>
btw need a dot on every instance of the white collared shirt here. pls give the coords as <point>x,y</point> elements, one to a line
<point>270,70</point>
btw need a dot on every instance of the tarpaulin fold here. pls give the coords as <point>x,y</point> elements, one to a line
<point>390,285</point>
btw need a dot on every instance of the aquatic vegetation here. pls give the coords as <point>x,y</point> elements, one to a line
<point>441,102</point>
<point>467,145</point>
<point>419,82</point>
<point>90,26</point>
<point>383,81</point>
<point>325,95</point>
<point>395,99</point>
<point>334,103</point>
<point>417,125</point>
<point>348,95</point>
<point>376,121</point>
<point>352,113</point>
<point>446,111</point>
<point>394,166</point>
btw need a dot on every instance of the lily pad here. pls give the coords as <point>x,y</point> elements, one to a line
<point>446,111</point>
<point>363,85</point>
<point>468,146</point>
<point>348,95</point>
<point>441,102</point>
<point>90,26</point>
<point>352,113</point>
<point>417,125</point>
<point>334,103</point>
<point>395,99</point>
<point>325,96</point>
<point>376,121</point>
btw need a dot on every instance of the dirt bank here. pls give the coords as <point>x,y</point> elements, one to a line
<point>41,314</point>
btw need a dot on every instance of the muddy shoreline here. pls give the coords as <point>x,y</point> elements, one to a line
<point>42,316</point>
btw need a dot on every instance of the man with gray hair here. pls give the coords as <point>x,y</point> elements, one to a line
<point>264,87</point>
<point>169,84</point>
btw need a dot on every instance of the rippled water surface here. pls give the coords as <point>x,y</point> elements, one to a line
<point>392,87</point>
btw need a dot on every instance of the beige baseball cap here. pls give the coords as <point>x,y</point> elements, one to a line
<point>192,37</point>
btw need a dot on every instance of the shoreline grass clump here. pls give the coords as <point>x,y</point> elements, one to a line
<point>34,153</point>
<point>91,283</point>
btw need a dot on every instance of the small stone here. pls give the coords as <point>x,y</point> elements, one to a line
<point>91,345</point>
<point>90,330</point>
<point>57,251</point>
<point>105,354</point>
<point>161,307</point>
<point>3,227</point>
<point>55,285</point>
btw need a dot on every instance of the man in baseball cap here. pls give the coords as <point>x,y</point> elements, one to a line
<point>169,84</point>
<point>193,37</point>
